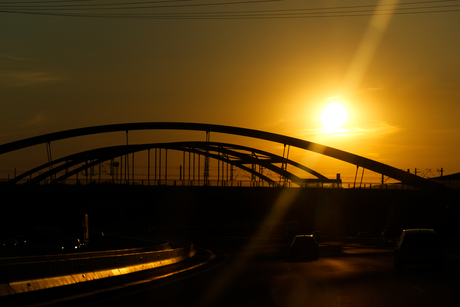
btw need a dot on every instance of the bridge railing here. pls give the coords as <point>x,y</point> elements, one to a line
<point>228,183</point>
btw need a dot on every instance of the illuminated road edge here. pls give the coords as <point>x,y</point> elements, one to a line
<point>140,262</point>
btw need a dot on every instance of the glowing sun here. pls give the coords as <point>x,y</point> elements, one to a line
<point>334,116</point>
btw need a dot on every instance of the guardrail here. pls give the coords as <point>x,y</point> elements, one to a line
<point>228,183</point>
<point>24,274</point>
<point>58,257</point>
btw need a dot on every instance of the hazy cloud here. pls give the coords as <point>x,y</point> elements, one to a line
<point>13,57</point>
<point>23,78</point>
<point>375,130</point>
<point>39,119</point>
<point>22,128</point>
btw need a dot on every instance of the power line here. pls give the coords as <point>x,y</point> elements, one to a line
<point>128,5</point>
<point>87,9</point>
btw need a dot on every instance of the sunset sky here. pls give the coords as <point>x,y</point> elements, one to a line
<point>265,65</point>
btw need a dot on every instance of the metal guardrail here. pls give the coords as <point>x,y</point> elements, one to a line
<point>23,274</point>
<point>60,257</point>
<point>227,183</point>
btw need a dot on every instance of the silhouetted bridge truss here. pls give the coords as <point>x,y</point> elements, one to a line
<point>230,156</point>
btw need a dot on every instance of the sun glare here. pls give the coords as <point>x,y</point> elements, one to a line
<point>334,116</point>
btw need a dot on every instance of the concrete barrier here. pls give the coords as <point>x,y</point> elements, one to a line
<point>36,273</point>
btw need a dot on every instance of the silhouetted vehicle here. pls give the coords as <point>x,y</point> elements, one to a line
<point>418,246</point>
<point>9,243</point>
<point>21,239</point>
<point>71,245</point>
<point>316,233</point>
<point>303,247</point>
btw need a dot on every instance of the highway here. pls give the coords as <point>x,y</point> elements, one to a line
<point>231,272</point>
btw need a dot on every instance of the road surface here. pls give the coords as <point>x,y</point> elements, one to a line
<point>251,274</point>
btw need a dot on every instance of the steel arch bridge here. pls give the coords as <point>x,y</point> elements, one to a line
<point>251,160</point>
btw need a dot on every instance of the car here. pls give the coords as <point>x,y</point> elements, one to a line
<point>21,239</point>
<point>418,246</point>
<point>9,243</point>
<point>303,247</point>
<point>71,245</point>
<point>316,233</point>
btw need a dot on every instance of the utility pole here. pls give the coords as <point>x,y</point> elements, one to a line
<point>206,161</point>
<point>441,171</point>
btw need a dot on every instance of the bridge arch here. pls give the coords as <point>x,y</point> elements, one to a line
<point>359,161</point>
<point>232,154</point>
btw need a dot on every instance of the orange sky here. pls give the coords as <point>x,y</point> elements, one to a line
<point>398,75</point>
